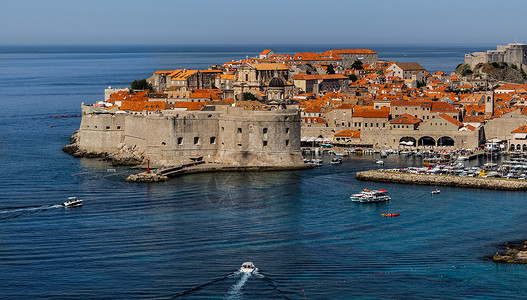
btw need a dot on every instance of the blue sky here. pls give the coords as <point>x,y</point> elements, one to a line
<point>262,22</point>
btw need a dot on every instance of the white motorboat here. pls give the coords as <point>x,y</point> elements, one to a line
<point>375,196</point>
<point>356,197</point>
<point>248,267</point>
<point>72,202</point>
<point>379,162</point>
<point>336,160</point>
<point>436,191</point>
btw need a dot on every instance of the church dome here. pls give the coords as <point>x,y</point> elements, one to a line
<point>276,82</point>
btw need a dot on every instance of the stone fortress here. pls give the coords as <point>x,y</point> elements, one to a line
<point>514,54</point>
<point>226,135</point>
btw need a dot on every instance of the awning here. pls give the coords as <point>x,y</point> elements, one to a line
<point>520,135</point>
<point>311,139</point>
<point>319,140</point>
<point>494,141</point>
<point>326,140</point>
<point>304,139</point>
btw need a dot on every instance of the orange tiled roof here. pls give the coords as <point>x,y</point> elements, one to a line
<point>512,86</point>
<point>474,119</point>
<point>522,129</point>
<point>143,105</point>
<point>189,105</point>
<point>443,107</point>
<point>270,66</point>
<point>405,119</point>
<point>349,133</point>
<point>451,120</point>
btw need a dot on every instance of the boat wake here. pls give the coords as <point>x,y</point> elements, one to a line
<point>15,212</point>
<point>235,291</point>
<point>201,286</point>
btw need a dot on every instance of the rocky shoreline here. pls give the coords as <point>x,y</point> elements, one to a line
<point>515,252</point>
<point>123,157</point>
<point>443,180</point>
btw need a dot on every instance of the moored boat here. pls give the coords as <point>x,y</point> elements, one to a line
<point>336,160</point>
<point>436,191</point>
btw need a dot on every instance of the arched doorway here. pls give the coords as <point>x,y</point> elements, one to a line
<point>518,147</point>
<point>524,147</point>
<point>426,141</point>
<point>445,141</point>
<point>511,147</point>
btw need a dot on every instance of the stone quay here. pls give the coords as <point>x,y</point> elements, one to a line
<point>444,180</point>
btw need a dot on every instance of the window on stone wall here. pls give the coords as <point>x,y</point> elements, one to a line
<point>118,127</point>
<point>265,143</point>
<point>264,130</point>
<point>107,127</point>
<point>239,145</point>
<point>163,143</point>
<point>239,130</point>
<point>179,140</point>
<point>287,142</point>
<point>196,140</point>
<point>213,140</point>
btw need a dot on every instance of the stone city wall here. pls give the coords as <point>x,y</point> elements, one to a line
<point>231,136</point>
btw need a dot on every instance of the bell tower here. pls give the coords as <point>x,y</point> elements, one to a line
<point>489,103</point>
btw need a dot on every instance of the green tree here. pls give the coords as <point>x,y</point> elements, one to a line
<point>141,85</point>
<point>357,65</point>
<point>330,69</point>
<point>248,96</point>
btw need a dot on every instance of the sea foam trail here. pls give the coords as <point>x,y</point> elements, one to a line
<point>234,292</point>
<point>15,212</point>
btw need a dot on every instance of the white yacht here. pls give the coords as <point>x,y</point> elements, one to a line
<point>375,196</point>
<point>356,197</point>
<point>72,202</point>
<point>248,267</point>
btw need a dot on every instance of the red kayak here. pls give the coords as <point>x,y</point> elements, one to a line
<point>390,215</point>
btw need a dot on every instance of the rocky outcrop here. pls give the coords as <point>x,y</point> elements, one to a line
<point>515,252</point>
<point>146,177</point>
<point>444,180</point>
<point>125,156</point>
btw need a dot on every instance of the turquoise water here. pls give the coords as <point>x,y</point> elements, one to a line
<point>186,238</point>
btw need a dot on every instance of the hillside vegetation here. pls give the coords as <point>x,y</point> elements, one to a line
<point>494,72</point>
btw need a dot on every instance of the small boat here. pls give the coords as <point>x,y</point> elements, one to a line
<point>248,267</point>
<point>336,160</point>
<point>379,162</point>
<point>390,215</point>
<point>317,162</point>
<point>72,202</point>
<point>375,196</point>
<point>356,197</point>
<point>436,191</point>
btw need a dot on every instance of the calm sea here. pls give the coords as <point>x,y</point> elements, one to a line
<point>187,237</point>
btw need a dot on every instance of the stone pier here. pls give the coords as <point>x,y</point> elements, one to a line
<point>444,180</point>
